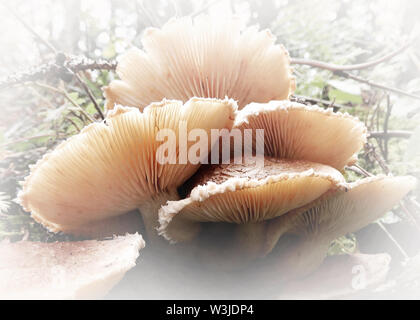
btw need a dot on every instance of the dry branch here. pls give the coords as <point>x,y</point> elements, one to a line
<point>58,69</point>
<point>335,67</point>
<point>312,101</point>
<point>342,71</point>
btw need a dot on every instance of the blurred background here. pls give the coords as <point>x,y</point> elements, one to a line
<point>41,104</point>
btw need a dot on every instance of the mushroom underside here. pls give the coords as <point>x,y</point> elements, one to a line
<point>65,270</point>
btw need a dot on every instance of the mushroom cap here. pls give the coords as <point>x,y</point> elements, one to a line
<point>238,193</point>
<point>204,57</point>
<point>296,131</point>
<point>111,167</point>
<point>341,211</point>
<point>65,270</point>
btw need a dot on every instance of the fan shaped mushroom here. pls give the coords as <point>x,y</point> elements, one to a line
<point>335,214</point>
<point>65,270</point>
<point>202,58</point>
<point>296,131</point>
<point>113,167</point>
<point>247,196</point>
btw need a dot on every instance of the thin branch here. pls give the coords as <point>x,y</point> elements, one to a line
<point>370,150</point>
<point>312,101</point>
<point>67,96</point>
<point>340,70</point>
<point>57,69</point>
<point>90,95</point>
<point>81,63</point>
<point>390,236</point>
<point>73,123</point>
<point>363,171</point>
<point>60,61</point>
<point>356,169</point>
<point>377,85</point>
<point>335,67</point>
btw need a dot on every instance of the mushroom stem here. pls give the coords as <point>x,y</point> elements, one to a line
<point>149,212</point>
<point>303,257</point>
<point>249,239</point>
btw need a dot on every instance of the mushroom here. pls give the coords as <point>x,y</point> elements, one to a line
<point>296,131</point>
<point>335,214</point>
<point>113,167</point>
<point>65,270</point>
<point>247,196</point>
<point>203,57</point>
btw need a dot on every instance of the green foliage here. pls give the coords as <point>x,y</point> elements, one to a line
<point>342,245</point>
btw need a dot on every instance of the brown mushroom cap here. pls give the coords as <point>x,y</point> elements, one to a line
<point>202,58</point>
<point>111,167</point>
<point>240,194</point>
<point>333,215</point>
<point>65,270</point>
<point>296,131</point>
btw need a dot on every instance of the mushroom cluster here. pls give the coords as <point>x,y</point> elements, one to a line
<point>212,75</point>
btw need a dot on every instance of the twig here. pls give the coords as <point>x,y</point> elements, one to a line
<point>67,96</point>
<point>370,150</point>
<point>310,100</point>
<point>335,67</point>
<point>56,70</point>
<point>60,61</point>
<point>340,70</point>
<point>73,123</point>
<point>363,171</point>
<point>80,63</point>
<point>90,95</point>
<point>356,169</point>
<point>377,85</point>
<point>390,236</point>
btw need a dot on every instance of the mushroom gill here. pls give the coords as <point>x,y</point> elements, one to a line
<point>202,57</point>
<point>247,196</point>
<point>335,214</point>
<point>113,167</point>
<point>296,131</point>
